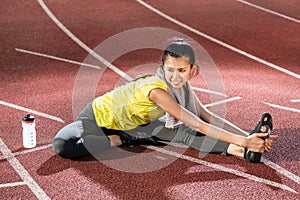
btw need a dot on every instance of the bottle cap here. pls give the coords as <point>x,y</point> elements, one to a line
<point>28,117</point>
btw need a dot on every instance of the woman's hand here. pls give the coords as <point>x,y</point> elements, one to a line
<point>255,142</point>
<point>269,142</point>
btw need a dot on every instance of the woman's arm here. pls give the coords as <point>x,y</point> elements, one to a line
<point>167,102</point>
<point>211,118</point>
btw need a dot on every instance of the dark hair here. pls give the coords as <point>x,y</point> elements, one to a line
<point>180,48</point>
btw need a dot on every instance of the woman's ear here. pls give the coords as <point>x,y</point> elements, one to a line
<point>193,71</point>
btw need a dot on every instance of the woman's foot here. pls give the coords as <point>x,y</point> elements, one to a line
<point>235,150</point>
<point>264,125</point>
<point>115,140</point>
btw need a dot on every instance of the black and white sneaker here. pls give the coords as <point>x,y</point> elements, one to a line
<point>129,141</point>
<point>264,125</point>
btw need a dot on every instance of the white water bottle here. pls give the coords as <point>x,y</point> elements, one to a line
<point>29,133</point>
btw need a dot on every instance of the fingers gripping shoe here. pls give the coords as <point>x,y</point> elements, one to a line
<point>263,126</point>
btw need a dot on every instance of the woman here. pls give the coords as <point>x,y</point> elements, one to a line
<point>128,115</point>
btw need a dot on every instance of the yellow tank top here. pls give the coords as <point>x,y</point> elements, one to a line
<point>129,106</point>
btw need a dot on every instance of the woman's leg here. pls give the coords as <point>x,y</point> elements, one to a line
<point>236,150</point>
<point>184,134</point>
<point>71,142</point>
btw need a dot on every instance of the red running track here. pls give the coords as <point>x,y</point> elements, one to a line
<point>46,85</point>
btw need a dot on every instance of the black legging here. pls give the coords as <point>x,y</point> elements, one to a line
<point>185,135</point>
<point>69,144</point>
<point>73,142</point>
<point>84,137</point>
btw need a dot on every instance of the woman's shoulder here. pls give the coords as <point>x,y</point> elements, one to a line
<point>151,80</point>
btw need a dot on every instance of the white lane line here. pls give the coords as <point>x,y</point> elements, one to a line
<point>97,67</point>
<point>209,91</point>
<point>80,43</point>
<point>31,111</point>
<point>222,168</point>
<point>28,151</point>
<point>25,176</point>
<point>56,58</point>
<point>222,101</point>
<point>267,162</point>
<point>282,107</point>
<point>4,185</point>
<point>270,11</point>
<point>295,100</point>
<point>73,37</point>
<point>248,55</point>
<point>281,170</point>
<point>33,149</point>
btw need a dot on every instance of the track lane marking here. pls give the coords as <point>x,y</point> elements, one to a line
<point>22,172</point>
<point>282,107</point>
<point>208,91</point>
<point>56,58</point>
<point>4,185</point>
<point>33,149</point>
<point>73,37</point>
<point>222,168</point>
<point>46,146</point>
<point>281,170</point>
<point>295,100</point>
<point>222,101</point>
<point>219,42</point>
<point>270,11</point>
<point>80,43</point>
<point>97,67</point>
<point>31,111</point>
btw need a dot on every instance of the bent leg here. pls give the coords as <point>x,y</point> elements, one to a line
<point>70,142</point>
<point>69,148</point>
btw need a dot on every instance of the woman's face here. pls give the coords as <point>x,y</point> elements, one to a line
<point>177,71</point>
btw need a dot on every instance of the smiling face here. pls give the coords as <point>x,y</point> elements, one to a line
<point>177,71</point>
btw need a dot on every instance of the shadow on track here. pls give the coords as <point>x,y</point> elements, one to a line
<point>155,184</point>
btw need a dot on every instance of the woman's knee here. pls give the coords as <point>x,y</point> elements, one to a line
<point>70,148</point>
<point>59,146</point>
